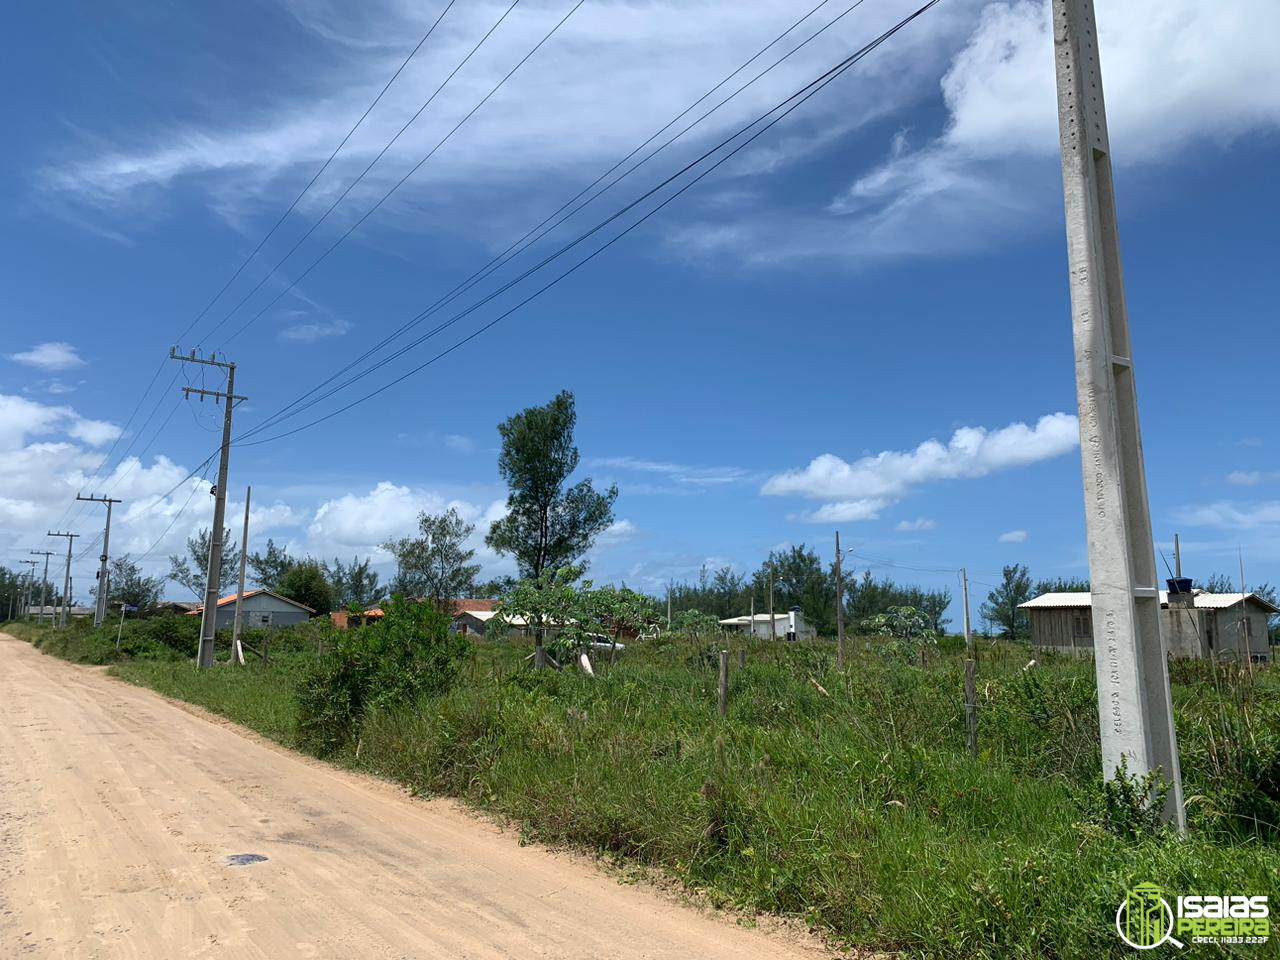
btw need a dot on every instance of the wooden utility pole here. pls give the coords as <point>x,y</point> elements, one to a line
<point>66,577</point>
<point>839,608</point>
<point>31,581</point>
<point>1134,705</point>
<point>724,682</point>
<point>100,611</point>
<point>237,653</point>
<point>44,584</point>
<point>213,578</point>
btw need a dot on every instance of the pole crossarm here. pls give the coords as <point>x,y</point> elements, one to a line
<point>216,394</point>
<point>100,609</point>
<point>213,573</point>
<point>192,358</point>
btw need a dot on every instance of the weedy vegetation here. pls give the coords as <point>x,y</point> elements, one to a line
<point>846,799</point>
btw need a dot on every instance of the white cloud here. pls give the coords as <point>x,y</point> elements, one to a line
<point>313,330</point>
<point>364,522</point>
<point>620,531</point>
<point>619,70</point>
<point>679,473</point>
<point>1178,74</point>
<point>458,443</point>
<point>54,355</point>
<point>20,418</point>
<point>859,490</point>
<point>920,523</point>
<point>1251,478</point>
<point>1013,536</point>
<point>1229,515</point>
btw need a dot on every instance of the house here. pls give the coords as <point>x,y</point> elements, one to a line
<point>181,607</point>
<point>260,608</point>
<point>455,608</point>
<point>784,624</point>
<point>1195,624</point>
<point>52,611</point>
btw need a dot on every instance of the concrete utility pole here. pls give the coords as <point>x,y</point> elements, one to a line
<point>31,580</point>
<point>209,616</point>
<point>237,653</point>
<point>44,584</point>
<point>839,608</point>
<point>970,670</point>
<point>66,577</point>
<point>1134,705</point>
<point>104,586</point>
<point>773,630</point>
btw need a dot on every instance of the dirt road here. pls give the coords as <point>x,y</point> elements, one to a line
<point>118,811</point>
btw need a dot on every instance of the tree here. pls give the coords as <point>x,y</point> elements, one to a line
<point>907,627</point>
<point>268,568</point>
<point>1062,585</point>
<point>128,585</point>
<point>546,600</point>
<point>1219,583</point>
<point>933,604</point>
<point>1002,603</point>
<point>353,583</point>
<point>547,526</point>
<point>436,564</point>
<point>496,588</point>
<point>798,581</point>
<point>306,582</point>
<point>192,572</point>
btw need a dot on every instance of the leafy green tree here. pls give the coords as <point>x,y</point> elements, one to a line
<point>306,582</point>
<point>354,583</point>
<point>270,567</point>
<point>547,526</point>
<point>496,588</point>
<point>437,564</point>
<point>128,585</point>
<point>548,600</point>
<point>907,627</point>
<point>191,571</point>
<point>12,592</point>
<point>1002,603</point>
<point>799,580</point>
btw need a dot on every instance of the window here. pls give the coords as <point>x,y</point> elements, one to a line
<point>262,619</point>
<point>1081,625</point>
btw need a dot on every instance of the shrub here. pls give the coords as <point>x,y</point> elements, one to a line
<point>409,654</point>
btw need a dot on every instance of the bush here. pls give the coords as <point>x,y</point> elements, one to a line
<point>409,654</point>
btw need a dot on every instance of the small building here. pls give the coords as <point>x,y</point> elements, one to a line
<point>260,608</point>
<point>54,611</point>
<point>455,608</point>
<point>783,624</point>
<point>1195,624</point>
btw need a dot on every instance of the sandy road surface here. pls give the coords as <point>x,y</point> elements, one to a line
<point>118,809</point>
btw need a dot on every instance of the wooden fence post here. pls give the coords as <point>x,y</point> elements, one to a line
<point>724,682</point>
<point>742,659</point>
<point>971,703</point>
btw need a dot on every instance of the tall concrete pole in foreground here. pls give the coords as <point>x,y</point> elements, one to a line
<point>1133,680</point>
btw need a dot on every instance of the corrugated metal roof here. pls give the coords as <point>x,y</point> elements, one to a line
<point>231,598</point>
<point>1203,601</point>
<point>759,618</point>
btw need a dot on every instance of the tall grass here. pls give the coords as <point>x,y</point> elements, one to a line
<point>846,799</point>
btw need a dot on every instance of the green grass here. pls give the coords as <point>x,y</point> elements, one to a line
<point>858,810</point>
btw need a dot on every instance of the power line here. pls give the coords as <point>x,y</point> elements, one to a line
<point>542,229</point>
<point>343,195</point>
<point>323,167</point>
<point>414,169</point>
<point>800,97</point>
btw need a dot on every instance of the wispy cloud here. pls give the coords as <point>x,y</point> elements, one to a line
<point>679,473</point>
<point>920,523</point>
<point>861,489</point>
<point>313,330</point>
<point>53,355</point>
<point>1252,478</point>
<point>1228,514</point>
<point>1013,536</point>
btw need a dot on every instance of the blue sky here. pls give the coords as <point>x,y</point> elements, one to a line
<point>859,322</point>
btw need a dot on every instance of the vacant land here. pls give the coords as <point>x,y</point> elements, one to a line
<point>118,811</point>
<point>848,801</point>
